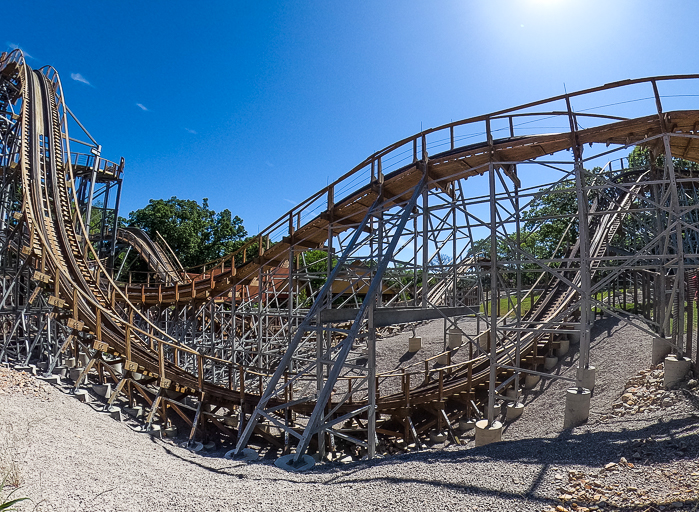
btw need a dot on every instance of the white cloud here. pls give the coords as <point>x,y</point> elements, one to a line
<point>142,107</point>
<point>79,78</point>
<point>14,46</point>
<point>290,201</point>
<point>190,131</point>
<point>269,164</point>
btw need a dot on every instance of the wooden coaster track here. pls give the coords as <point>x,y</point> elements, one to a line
<point>111,322</point>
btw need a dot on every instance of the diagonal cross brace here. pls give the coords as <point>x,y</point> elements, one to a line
<point>314,423</point>
<point>286,358</point>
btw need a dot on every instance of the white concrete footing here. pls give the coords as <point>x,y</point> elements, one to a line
<point>454,338</point>
<point>574,335</point>
<point>676,369</point>
<point>531,380</point>
<point>231,421</point>
<point>513,393</point>
<point>81,394</point>
<point>26,368</point>
<point>660,350</point>
<point>437,436</point>
<point>486,434</point>
<point>104,390</point>
<point>483,341</point>
<point>136,412</point>
<point>60,371</point>
<point>115,413</point>
<point>466,424</point>
<point>74,373</point>
<point>287,462</point>
<point>585,377</point>
<point>577,407</point>
<point>563,348</point>
<point>170,431</point>
<point>514,411</point>
<point>70,362</point>
<point>414,344</point>
<point>246,454</point>
<point>443,359</point>
<point>51,379</point>
<point>83,359</point>
<point>550,362</point>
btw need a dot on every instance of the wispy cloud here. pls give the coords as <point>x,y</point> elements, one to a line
<point>290,201</point>
<point>142,107</point>
<point>269,164</point>
<point>14,46</point>
<point>79,78</point>
<point>190,131</point>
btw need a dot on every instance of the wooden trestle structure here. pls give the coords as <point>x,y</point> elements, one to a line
<point>283,344</point>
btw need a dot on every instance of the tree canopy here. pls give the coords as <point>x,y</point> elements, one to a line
<point>195,232</point>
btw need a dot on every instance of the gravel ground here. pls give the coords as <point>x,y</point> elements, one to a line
<point>72,458</point>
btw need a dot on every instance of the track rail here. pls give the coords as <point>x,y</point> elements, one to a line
<point>109,317</point>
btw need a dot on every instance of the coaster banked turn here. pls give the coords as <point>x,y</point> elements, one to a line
<point>279,339</point>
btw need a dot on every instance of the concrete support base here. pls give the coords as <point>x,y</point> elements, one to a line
<point>115,413</point>
<point>82,395</point>
<point>83,359</point>
<point>26,368</point>
<point>104,390</point>
<point>414,344</point>
<point>486,434</point>
<point>513,393</point>
<point>660,350</point>
<point>531,380</point>
<point>454,338</point>
<point>287,462</point>
<point>585,378</point>
<point>70,362</point>
<point>550,362</point>
<point>563,349</point>
<point>437,437</point>
<point>483,341</point>
<point>514,411</point>
<point>676,369</point>
<point>136,412</point>
<point>443,359</point>
<point>574,335</point>
<point>60,371</point>
<point>465,424</point>
<point>497,410</point>
<point>155,431</point>
<point>170,432</point>
<point>577,407</point>
<point>231,421</point>
<point>246,454</point>
<point>52,379</point>
<point>74,373</point>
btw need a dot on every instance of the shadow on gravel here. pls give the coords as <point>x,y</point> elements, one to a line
<point>661,442</point>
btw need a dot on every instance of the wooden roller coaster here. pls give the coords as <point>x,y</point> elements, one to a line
<point>279,338</point>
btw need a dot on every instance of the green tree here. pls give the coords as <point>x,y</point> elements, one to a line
<point>195,232</point>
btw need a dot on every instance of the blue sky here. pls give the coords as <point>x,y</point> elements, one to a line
<point>256,105</point>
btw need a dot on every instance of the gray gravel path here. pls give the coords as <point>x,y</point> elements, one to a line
<point>75,459</point>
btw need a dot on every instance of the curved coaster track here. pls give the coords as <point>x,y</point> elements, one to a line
<point>279,339</point>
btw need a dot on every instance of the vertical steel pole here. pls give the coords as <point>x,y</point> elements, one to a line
<point>493,295</point>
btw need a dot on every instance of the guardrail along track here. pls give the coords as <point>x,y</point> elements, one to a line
<point>240,328</point>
